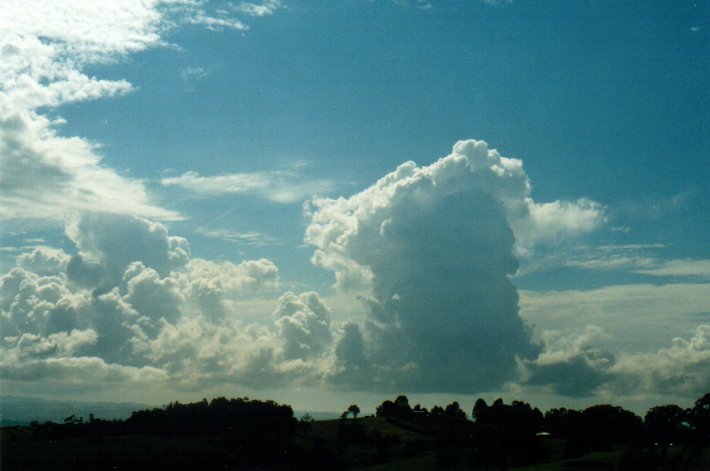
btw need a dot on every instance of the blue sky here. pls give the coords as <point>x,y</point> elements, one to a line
<point>214,197</point>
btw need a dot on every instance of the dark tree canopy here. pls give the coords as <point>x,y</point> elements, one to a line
<point>479,408</point>
<point>354,410</point>
<point>399,408</point>
<point>665,424</point>
<point>699,416</point>
<point>219,417</point>
<point>454,410</point>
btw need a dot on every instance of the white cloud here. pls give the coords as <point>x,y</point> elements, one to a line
<point>635,258</point>
<point>630,357</point>
<point>275,186</point>
<point>145,311</point>
<point>419,4</point>
<point>654,313</point>
<point>85,372</point>
<point>108,243</point>
<point>632,258</point>
<point>60,344</point>
<point>152,296</point>
<point>51,177</point>
<point>36,304</point>
<point>646,265</point>
<point>498,2</point>
<point>680,368</point>
<point>44,47</point>
<point>85,30</point>
<point>611,257</point>
<point>558,220</point>
<point>471,167</point>
<point>304,325</point>
<point>439,318</point>
<point>193,74</point>
<point>255,238</point>
<point>217,23</point>
<point>679,268</point>
<point>574,366</point>
<point>436,245</point>
<point>570,364</point>
<point>259,9</point>
<point>44,261</point>
<point>657,207</point>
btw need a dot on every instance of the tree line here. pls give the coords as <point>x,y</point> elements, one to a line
<point>239,418</point>
<point>246,431</point>
<point>513,433</point>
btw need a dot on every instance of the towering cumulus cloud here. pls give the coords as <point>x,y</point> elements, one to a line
<point>436,246</point>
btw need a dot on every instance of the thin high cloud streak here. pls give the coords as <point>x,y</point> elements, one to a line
<point>44,48</point>
<point>276,186</point>
<point>641,259</point>
<point>433,249</point>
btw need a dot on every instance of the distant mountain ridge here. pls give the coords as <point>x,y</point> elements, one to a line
<point>21,410</point>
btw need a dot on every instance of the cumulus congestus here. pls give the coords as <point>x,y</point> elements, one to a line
<point>437,246</point>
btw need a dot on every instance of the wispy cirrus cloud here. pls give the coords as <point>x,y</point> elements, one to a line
<point>276,186</point>
<point>193,73</point>
<point>254,238</point>
<point>659,206</point>
<point>259,9</point>
<point>635,258</point>
<point>419,4</point>
<point>611,256</point>
<point>679,268</point>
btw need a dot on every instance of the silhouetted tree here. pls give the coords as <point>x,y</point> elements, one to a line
<point>402,405</point>
<point>665,424</point>
<point>509,433</point>
<point>386,409</point>
<point>234,417</point>
<point>560,422</point>
<point>306,422</point>
<point>599,427</point>
<point>479,408</point>
<point>399,408</point>
<point>454,410</point>
<point>354,410</point>
<point>699,416</point>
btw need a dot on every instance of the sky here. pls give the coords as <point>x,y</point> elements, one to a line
<point>324,203</point>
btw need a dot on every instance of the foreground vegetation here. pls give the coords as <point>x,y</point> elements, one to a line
<point>251,434</point>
